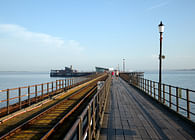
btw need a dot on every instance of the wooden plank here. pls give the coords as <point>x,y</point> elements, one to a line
<point>131,116</point>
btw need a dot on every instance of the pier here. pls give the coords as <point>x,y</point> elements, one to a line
<point>100,107</point>
<point>132,115</point>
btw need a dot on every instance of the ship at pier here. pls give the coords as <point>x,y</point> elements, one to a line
<point>69,72</point>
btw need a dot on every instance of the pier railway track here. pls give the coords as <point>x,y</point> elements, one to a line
<point>43,125</point>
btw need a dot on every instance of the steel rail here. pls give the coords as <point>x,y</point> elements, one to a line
<point>67,115</point>
<point>9,134</point>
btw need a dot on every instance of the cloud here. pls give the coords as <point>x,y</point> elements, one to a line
<point>21,36</point>
<point>158,5</point>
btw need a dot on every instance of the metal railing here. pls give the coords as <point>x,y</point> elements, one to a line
<point>15,99</point>
<point>87,124</point>
<point>176,98</point>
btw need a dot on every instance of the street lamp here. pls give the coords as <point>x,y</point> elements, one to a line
<point>123,65</point>
<point>161,30</point>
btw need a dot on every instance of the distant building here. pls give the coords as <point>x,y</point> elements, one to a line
<point>100,69</point>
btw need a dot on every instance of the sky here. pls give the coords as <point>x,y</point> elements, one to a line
<point>40,35</point>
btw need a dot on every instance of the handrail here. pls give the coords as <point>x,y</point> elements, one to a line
<point>93,113</point>
<point>14,99</point>
<point>176,98</point>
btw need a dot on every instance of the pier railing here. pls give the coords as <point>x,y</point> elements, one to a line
<point>15,99</point>
<point>88,123</point>
<point>176,98</point>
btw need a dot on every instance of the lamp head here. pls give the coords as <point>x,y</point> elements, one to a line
<point>161,27</point>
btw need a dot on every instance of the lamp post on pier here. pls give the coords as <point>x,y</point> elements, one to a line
<point>123,65</point>
<point>161,30</point>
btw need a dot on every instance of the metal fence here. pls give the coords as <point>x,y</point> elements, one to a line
<point>17,98</point>
<point>181,100</point>
<point>87,124</point>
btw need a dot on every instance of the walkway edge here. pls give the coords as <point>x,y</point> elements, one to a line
<point>102,115</point>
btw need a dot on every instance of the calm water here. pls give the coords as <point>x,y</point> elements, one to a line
<point>19,79</point>
<point>184,79</point>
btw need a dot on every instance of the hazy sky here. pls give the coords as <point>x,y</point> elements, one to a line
<point>39,35</point>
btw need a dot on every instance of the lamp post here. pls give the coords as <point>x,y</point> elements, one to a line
<point>161,30</point>
<point>123,65</point>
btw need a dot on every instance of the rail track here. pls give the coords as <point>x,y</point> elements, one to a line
<point>44,124</point>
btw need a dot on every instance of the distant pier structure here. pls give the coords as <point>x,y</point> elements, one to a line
<point>69,72</point>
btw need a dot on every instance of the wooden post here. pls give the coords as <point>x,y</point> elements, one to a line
<point>170,102</point>
<point>29,95</point>
<point>19,95</point>
<point>148,87</point>
<point>7,101</point>
<point>163,93</point>
<point>177,100</point>
<point>188,104</point>
<point>145,85</point>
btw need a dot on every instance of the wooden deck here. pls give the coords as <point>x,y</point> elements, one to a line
<point>132,115</point>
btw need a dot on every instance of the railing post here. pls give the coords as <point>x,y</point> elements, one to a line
<point>177,100</point>
<point>188,104</point>
<point>150,88</point>
<point>142,84</point>
<point>7,101</point>
<point>56,85</point>
<point>145,85</point>
<point>80,132</point>
<point>163,93</point>
<point>29,95</point>
<point>170,102</point>
<point>89,122</point>
<point>94,121</point>
<point>42,91</point>
<point>65,84</point>
<point>35,93</point>
<point>154,86</point>
<point>68,83</point>
<point>62,83</point>
<point>48,90</point>
<point>19,95</point>
<point>52,88</point>
<point>159,92</point>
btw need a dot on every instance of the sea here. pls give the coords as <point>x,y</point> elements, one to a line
<point>17,79</point>
<point>179,78</point>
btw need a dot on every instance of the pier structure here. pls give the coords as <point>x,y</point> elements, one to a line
<point>101,107</point>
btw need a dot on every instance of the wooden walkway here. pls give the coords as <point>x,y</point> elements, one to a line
<point>131,115</point>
